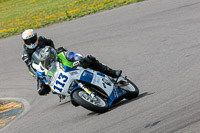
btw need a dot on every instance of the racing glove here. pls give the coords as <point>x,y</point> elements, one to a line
<point>31,70</point>
<point>27,60</point>
<point>60,49</point>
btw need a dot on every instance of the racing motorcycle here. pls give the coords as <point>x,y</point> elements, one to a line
<point>90,89</point>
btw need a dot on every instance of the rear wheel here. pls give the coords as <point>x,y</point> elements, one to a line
<point>96,104</point>
<point>132,90</point>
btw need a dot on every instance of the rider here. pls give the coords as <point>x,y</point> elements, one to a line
<point>33,43</point>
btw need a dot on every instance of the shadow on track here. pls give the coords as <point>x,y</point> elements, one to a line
<point>123,102</point>
<point>64,103</point>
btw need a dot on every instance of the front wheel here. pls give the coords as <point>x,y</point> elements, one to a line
<point>132,90</point>
<point>96,104</point>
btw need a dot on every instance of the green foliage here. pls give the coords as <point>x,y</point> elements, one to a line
<point>18,15</point>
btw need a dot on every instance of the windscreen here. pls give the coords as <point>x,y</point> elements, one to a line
<point>51,72</point>
<point>35,57</point>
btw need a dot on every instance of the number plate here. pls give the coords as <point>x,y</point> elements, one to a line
<point>59,83</point>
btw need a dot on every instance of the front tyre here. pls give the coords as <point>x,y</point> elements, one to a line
<point>96,104</point>
<point>132,90</point>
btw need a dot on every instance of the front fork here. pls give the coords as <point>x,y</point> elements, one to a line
<point>85,89</point>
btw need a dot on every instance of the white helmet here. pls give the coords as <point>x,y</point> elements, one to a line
<point>30,38</point>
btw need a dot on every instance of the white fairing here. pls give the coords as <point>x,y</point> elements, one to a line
<point>60,81</point>
<point>102,82</point>
<point>39,67</point>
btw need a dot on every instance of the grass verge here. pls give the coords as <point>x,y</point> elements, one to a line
<point>18,15</point>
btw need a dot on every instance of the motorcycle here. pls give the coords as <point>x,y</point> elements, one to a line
<point>90,89</point>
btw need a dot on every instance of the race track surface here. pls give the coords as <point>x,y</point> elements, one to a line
<point>157,45</point>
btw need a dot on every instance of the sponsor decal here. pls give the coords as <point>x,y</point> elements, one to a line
<point>84,74</point>
<point>73,72</point>
<point>106,81</point>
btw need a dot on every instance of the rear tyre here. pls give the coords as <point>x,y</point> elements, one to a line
<point>96,104</point>
<point>132,90</point>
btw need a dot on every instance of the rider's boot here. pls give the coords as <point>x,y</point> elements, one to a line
<point>110,72</point>
<point>114,74</point>
<point>42,88</point>
<point>94,64</point>
<point>106,70</point>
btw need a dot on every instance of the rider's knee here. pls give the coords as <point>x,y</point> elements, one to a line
<point>44,90</point>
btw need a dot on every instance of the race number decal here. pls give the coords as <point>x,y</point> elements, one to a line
<point>60,82</point>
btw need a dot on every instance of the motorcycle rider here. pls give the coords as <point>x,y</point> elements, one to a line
<point>32,43</point>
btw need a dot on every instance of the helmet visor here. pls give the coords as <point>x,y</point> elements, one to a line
<point>31,40</point>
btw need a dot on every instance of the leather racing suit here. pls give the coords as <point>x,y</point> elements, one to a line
<point>27,54</point>
<point>86,62</point>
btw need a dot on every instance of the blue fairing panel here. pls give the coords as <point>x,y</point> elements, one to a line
<point>86,76</point>
<point>116,95</point>
<point>75,89</point>
<point>41,75</point>
<point>100,74</point>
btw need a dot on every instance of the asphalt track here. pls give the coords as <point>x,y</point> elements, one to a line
<point>156,43</point>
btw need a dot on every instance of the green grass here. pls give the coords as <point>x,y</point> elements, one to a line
<point>18,15</point>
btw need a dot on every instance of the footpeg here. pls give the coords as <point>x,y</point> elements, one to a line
<point>123,83</point>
